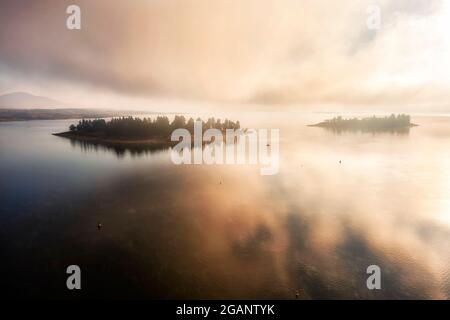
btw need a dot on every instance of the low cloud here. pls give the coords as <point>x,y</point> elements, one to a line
<point>261,51</point>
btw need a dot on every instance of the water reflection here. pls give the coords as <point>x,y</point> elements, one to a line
<point>339,204</point>
<point>120,150</point>
<point>390,131</point>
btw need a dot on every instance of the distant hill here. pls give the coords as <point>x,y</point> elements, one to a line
<point>24,100</point>
<point>54,114</point>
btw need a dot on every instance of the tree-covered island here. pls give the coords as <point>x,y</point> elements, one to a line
<point>392,123</point>
<point>139,131</point>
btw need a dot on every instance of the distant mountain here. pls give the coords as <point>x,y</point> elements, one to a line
<point>24,100</point>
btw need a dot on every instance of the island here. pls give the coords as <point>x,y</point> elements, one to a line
<point>138,133</point>
<point>394,123</point>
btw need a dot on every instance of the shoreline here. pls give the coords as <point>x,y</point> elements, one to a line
<point>325,125</point>
<point>116,141</point>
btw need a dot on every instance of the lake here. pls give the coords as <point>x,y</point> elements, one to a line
<point>340,203</point>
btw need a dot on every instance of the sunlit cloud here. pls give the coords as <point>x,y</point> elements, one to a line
<point>263,52</point>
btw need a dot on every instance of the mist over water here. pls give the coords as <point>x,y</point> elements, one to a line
<point>340,202</point>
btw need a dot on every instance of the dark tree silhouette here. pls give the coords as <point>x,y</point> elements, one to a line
<point>141,128</point>
<point>392,122</point>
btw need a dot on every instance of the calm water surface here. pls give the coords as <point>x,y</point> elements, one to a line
<point>226,231</point>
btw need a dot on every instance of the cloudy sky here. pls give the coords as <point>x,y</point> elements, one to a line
<point>267,54</point>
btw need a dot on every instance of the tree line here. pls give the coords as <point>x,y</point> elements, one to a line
<point>370,123</point>
<point>146,127</point>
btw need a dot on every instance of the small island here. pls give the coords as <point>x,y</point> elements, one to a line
<point>133,132</point>
<point>393,123</point>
